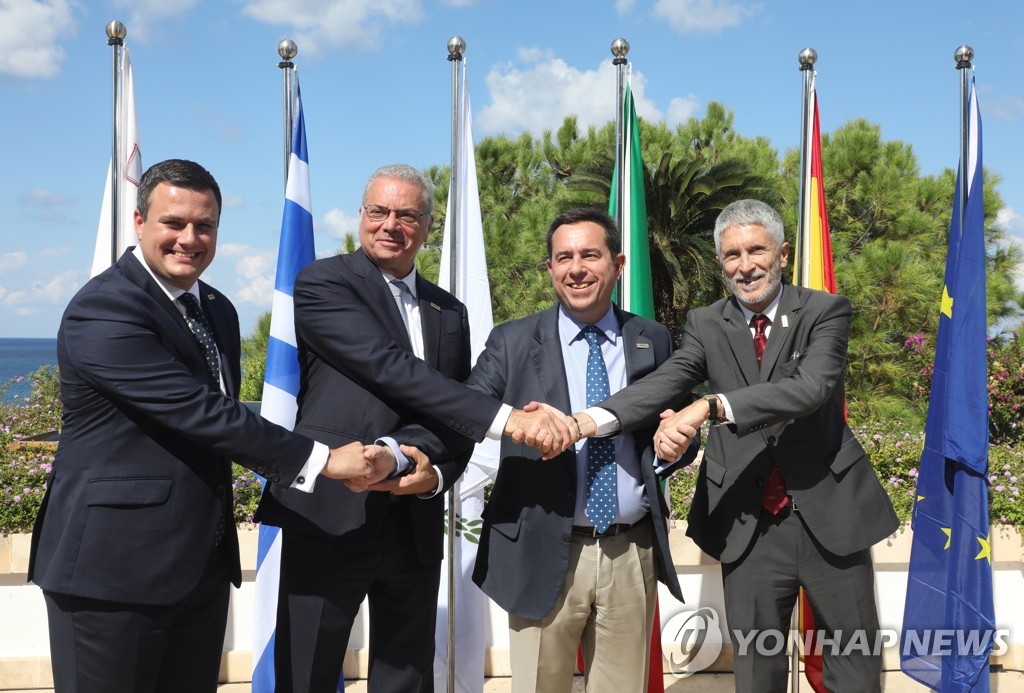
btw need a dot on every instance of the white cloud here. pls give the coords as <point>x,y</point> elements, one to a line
<point>337,224</point>
<point>322,24</point>
<point>48,253</point>
<point>233,201</point>
<point>1013,223</point>
<point>12,261</point>
<point>624,6</point>
<point>56,291</point>
<point>707,16</point>
<point>1006,108</point>
<point>541,94</point>
<point>40,197</point>
<point>146,16</point>
<point>254,273</point>
<point>682,109</point>
<point>31,33</point>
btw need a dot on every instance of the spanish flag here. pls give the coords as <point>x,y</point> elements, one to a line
<point>813,269</point>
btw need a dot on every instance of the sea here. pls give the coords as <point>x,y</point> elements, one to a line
<point>20,358</point>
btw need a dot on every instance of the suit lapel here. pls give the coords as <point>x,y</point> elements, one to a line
<point>786,317</point>
<point>637,348</point>
<point>546,354</point>
<point>181,333</point>
<point>379,297</point>
<point>741,341</point>
<point>430,320</point>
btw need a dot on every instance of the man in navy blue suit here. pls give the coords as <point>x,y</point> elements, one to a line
<point>135,546</point>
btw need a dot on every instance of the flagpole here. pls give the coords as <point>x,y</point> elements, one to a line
<point>620,49</point>
<point>287,49</point>
<point>963,57</point>
<point>116,32</point>
<point>807,58</point>
<point>456,47</point>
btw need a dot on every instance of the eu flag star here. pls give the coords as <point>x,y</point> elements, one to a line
<point>949,536</point>
<point>947,303</point>
<point>986,550</point>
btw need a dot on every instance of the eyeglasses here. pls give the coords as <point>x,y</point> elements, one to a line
<point>406,217</point>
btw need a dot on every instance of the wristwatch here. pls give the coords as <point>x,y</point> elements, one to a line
<point>713,410</point>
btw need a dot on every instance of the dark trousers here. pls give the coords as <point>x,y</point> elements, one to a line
<point>761,589</point>
<point>99,646</point>
<point>323,582</point>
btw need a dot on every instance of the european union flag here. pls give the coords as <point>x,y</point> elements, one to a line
<point>281,384</point>
<point>949,619</point>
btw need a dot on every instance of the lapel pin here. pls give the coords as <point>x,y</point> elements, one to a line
<point>643,345</point>
<point>785,321</point>
<point>210,297</point>
<point>435,306</point>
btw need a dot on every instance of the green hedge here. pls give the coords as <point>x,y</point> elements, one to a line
<point>894,450</point>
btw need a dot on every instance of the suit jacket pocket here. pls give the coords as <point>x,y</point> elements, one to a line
<point>847,454</point>
<point>509,530</point>
<point>128,491</point>
<point>714,470</point>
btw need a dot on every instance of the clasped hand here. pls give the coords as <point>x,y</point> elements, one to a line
<point>677,429</point>
<point>367,468</point>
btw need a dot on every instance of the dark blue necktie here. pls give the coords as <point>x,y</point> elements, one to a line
<point>196,319</point>
<point>602,495</point>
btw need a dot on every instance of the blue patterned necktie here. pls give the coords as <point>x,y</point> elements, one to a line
<point>602,495</point>
<point>196,319</point>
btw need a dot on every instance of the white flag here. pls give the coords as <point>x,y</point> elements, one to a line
<point>131,172</point>
<point>473,289</point>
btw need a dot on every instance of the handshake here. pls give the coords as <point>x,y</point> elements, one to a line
<point>367,468</point>
<point>551,431</point>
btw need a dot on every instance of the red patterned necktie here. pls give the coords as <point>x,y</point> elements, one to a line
<point>775,497</point>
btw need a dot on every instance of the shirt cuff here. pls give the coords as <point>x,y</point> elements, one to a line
<point>315,463</point>
<point>605,421</point>
<point>401,461</point>
<point>726,410</point>
<point>497,429</point>
<point>440,485</point>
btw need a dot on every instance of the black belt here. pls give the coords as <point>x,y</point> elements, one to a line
<point>612,530</point>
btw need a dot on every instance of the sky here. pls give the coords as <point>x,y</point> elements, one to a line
<point>376,89</point>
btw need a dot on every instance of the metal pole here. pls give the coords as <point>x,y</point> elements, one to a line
<point>456,47</point>
<point>116,32</point>
<point>807,58</point>
<point>963,56</point>
<point>287,49</point>
<point>620,49</point>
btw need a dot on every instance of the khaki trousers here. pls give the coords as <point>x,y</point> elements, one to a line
<point>607,605</point>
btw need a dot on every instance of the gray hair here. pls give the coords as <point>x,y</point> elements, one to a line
<point>746,213</point>
<point>408,174</point>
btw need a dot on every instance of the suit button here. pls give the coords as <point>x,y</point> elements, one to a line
<point>759,483</point>
<point>771,441</point>
<point>572,496</point>
<point>219,491</point>
<point>565,538</point>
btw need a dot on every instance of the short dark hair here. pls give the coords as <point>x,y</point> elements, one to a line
<point>180,173</point>
<point>578,215</point>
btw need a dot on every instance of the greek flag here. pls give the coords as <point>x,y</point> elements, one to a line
<point>281,385</point>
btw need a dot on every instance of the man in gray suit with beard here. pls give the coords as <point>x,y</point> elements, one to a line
<point>786,496</point>
<point>573,547</point>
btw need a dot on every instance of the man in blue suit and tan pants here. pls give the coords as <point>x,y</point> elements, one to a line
<point>573,547</point>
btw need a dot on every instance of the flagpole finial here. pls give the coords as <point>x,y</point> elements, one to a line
<point>456,47</point>
<point>116,31</point>
<point>287,49</point>
<point>963,56</point>
<point>620,47</point>
<point>807,58</point>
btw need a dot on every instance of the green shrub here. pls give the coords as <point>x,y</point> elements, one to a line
<point>894,448</point>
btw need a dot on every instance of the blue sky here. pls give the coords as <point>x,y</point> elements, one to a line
<point>376,90</point>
